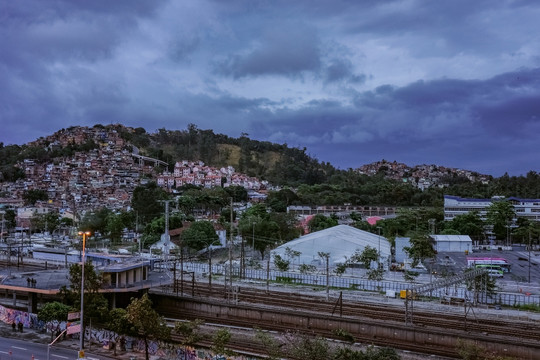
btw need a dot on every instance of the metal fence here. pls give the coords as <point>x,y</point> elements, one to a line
<point>356,283</point>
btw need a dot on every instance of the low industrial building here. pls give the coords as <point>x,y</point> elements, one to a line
<point>452,243</point>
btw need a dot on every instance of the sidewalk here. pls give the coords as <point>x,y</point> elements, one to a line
<point>45,338</point>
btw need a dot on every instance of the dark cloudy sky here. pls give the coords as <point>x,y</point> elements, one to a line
<point>453,83</point>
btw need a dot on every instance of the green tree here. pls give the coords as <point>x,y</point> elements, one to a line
<point>420,249</point>
<point>340,269</point>
<point>279,200</point>
<point>190,332</point>
<point>10,218</point>
<point>468,224</point>
<point>48,221</point>
<point>526,231</point>
<point>371,353</point>
<point>305,268</point>
<point>500,215</point>
<point>66,222</point>
<point>376,274</point>
<point>115,227</point>
<point>469,350</point>
<point>200,235</point>
<point>220,340</point>
<point>368,255</point>
<point>146,202</point>
<point>291,254</point>
<point>381,353</point>
<point>154,229</point>
<point>96,221</point>
<point>225,217</point>
<point>288,228</point>
<point>95,304</point>
<point>307,347</point>
<point>271,346</point>
<point>186,203</point>
<point>32,196</point>
<point>238,193</point>
<point>146,321</point>
<point>321,222</point>
<point>281,263</point>
<point>410,276</point>
<point>118,323</point>
<point>266,229</point>
<point>54,312</point>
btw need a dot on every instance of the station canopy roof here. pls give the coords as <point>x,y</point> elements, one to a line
<point>339,241</point>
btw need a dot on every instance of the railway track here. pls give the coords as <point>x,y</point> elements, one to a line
<point>247,343</point>
<point>251,345</point>
<point>357,309</point>
<point>354,309</point>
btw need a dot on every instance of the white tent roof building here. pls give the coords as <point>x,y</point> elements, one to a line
<point>340,242</point>
<point>452,243</point>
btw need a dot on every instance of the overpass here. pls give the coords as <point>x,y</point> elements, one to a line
<point>142,159</point>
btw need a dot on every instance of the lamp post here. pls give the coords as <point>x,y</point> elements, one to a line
<point>81,342</point>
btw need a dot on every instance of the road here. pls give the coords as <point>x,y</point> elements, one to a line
<point>13,349</point>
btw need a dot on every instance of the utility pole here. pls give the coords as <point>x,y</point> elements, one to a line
<point>2,230</point>
<point>242,258</point>
<point>379,253</point>
<point>137,232</point>
<point>327,278</point>
<point>166,238</point>
<point>182,268</point>
<point>529,255</point>
<point>230,253</point>
<point>253,241</point>
<point>268,274</point>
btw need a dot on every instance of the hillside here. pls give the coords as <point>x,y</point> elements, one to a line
<point>278,164</point>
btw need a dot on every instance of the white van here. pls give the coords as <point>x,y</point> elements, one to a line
<point>495,273</point>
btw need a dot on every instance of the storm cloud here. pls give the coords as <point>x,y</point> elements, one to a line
<point>449,83</point>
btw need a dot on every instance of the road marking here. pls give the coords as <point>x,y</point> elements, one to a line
<point>60,356</point>
<point>19,348</point>
<point>4,352</point>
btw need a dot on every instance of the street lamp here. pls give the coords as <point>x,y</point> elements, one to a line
<point>81,342</point>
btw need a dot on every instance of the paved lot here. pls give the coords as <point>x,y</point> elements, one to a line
<point>517,279</point>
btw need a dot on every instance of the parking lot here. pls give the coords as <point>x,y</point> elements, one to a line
<point>455,263</point>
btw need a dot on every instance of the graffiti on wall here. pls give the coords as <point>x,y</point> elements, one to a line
<point>104,337</point>
<point>10,316</point>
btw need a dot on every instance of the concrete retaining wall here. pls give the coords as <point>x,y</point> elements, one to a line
<point>392,334</point>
